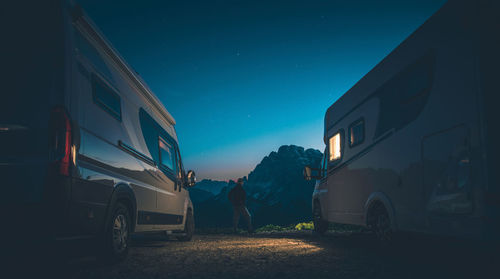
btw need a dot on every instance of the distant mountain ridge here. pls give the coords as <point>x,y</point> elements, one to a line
<point>212,186</point>
<point>276,191</point>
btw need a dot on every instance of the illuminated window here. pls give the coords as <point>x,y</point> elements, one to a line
<point>335,147</point>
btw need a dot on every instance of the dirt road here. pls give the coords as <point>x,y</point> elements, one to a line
<point>292,255</point>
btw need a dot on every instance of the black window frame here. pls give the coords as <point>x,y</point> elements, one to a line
<point>99,81</point>
<point>354,123</point>
<point>324,163</point>
<point>180,174</point>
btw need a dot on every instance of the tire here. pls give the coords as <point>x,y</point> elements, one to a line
<point>320,225</point>
<point>117,234</point>
<point>188,227</point>
<point>381,224</point>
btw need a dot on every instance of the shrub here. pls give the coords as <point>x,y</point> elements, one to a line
<point>305,226</point>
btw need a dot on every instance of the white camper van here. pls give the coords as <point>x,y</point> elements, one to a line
<point>87,150</point>
<point>414,145</point>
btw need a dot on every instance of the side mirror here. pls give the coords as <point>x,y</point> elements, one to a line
<point>191,178</point>
<point>311,173</point>
<point>307,173</point>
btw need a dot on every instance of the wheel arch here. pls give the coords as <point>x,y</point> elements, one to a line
<point>122,193</point>
<point>316,202</point>
<point>379,198</point>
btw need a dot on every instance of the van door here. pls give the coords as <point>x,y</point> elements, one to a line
<point>336,178</point>
<point>182,193</point>
<point>167,196</point>
<point>447,172</point>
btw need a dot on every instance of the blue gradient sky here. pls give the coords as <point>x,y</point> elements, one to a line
<point>242,78</point>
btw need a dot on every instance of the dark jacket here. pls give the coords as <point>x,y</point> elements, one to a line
<point>237,195</point>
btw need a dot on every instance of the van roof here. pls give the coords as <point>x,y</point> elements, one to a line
<point>92,30</point>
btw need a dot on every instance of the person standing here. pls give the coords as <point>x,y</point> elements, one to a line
<point>237,197</point>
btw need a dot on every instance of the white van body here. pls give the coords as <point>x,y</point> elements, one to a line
<point>81,132</point>
<point>415,140</point>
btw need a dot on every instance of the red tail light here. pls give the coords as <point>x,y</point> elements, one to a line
<point>60,125</point>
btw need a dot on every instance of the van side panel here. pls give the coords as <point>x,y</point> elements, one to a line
<point>489,61</point>
<point>116,147</point>
<point>102,162</point>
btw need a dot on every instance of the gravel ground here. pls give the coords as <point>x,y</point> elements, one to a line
<point>291,255</point>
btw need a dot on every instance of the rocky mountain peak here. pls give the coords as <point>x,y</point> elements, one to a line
<point>276,190</point>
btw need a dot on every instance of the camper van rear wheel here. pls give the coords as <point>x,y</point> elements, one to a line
<point>381,224</point>
<point>188,227</point>
<point>320,225</point>
<point>117,234</point>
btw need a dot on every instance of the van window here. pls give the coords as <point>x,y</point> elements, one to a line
<point>404,96</point>
<point>335,146</point>
<point>167,154</point>
<point>153,134</point>
<point>150,134</point>
<point>414,81</point>
<point>106,98</point>
<point>356,132</point>
<point>88,51</point>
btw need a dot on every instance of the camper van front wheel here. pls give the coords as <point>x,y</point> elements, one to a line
<point>320,225</point>
<point>188,227</point>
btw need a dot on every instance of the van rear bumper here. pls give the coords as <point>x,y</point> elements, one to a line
<point>64,210</point>
<point>45,219</point>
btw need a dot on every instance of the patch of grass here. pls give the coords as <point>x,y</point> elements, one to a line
<point>305,226</point>
<point>274,228</point>
<point>309,226</point>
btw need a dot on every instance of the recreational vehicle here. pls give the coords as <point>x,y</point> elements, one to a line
<point>414,145</point>
<point>87,150</point>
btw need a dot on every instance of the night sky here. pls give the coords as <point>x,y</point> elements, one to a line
<point>242,78</point>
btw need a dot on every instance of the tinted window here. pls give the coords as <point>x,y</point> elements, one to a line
<point>106,98</point>
<point>415,83</point>
<point>357,133</point>
<point>150,133</point>
<point>87,50</point>
<point>167,154</point>
<point>404,96</point>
